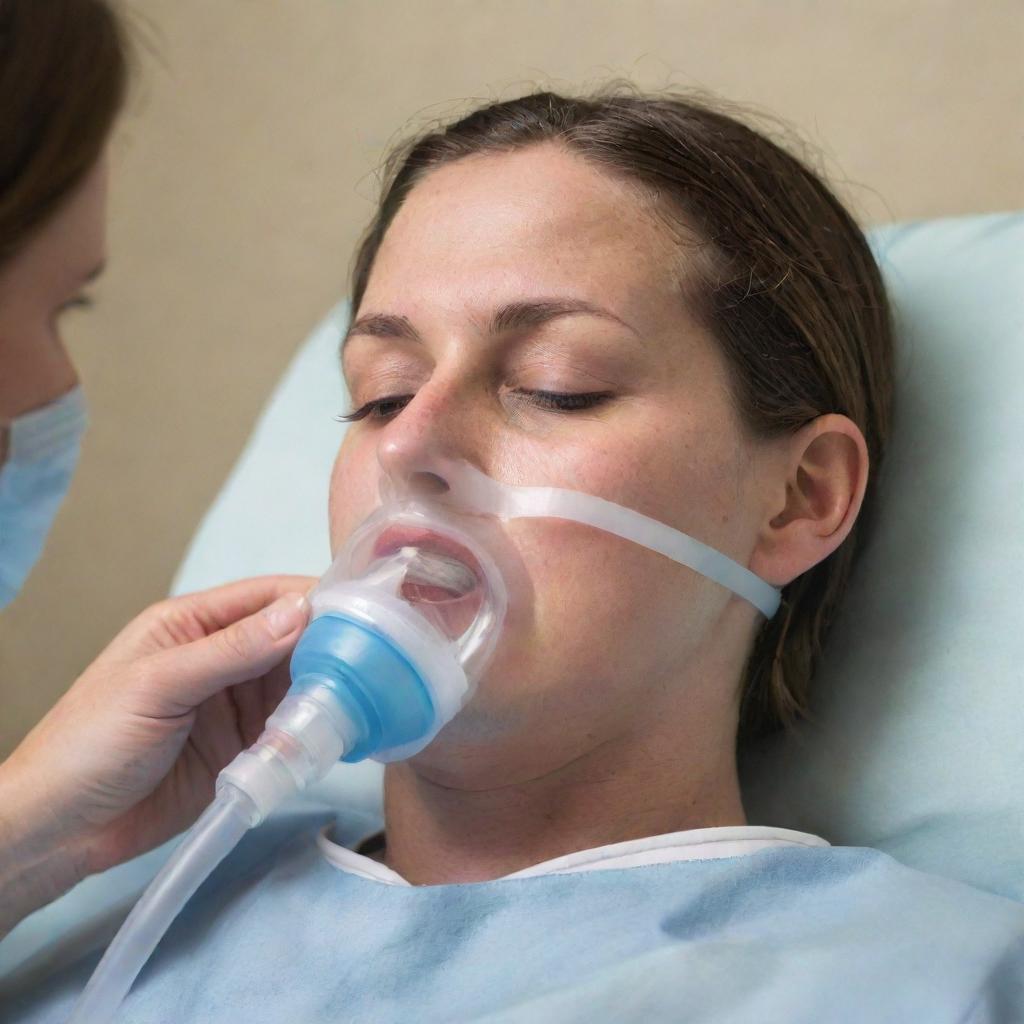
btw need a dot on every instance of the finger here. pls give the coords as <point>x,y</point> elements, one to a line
<point>179,620</point>
<point>183,677</point>
<point>219,607</point>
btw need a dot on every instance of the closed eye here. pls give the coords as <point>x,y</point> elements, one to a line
<point>565,401</point>
<point>555,401</point>
<point>378,409</point>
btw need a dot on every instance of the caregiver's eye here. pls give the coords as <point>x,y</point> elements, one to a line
<point>80,301</point>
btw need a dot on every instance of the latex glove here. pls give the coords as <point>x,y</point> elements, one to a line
<point>127,758</point>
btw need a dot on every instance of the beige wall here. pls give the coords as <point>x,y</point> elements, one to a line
<point>244,173</point>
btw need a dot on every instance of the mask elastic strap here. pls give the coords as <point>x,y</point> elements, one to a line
<point>510,502</point>
<point>532,502</point>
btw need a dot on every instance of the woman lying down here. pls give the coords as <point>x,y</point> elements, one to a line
<point>640,299</point>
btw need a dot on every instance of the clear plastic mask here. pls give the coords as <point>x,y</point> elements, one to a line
<point>419,582</point>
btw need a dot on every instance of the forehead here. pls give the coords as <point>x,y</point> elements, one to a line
<point>539,220</point>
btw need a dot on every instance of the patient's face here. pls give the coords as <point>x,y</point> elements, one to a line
<point>600,631</point>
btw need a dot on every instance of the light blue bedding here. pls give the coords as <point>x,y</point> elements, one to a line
<point>787,935</point>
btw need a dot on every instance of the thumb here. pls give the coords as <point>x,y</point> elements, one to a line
<point>187,675</point>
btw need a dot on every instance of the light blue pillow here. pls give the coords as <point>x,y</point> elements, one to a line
<point>918,747</point>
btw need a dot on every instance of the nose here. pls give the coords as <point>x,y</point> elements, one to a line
<point>429,434</point>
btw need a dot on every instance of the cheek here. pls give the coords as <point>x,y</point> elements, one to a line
<point>669,454</point>
<point>353,491</point>
<point>602,608</point>
<point>675,465</point>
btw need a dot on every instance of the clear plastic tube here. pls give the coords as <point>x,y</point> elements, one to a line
<point>210,840</point>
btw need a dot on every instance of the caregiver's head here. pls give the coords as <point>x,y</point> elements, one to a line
<point>63,71</point>
<point>646,300</point>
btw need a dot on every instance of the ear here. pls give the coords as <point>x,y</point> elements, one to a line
<point>814,487</point>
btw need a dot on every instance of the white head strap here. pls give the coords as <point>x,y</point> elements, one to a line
<point>472,489</point>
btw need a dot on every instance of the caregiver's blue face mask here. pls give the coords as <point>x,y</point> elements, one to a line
<point>42,452</point>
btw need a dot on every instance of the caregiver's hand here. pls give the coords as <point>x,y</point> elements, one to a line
<point>128,756</point>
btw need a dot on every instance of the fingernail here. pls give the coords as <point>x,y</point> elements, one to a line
<point>286,615</point>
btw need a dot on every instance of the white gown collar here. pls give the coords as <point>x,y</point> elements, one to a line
<point>693,844</point>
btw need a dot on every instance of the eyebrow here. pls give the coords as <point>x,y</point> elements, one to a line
<point>510,317</point>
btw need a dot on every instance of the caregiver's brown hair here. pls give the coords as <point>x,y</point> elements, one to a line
<point>63,78</point>
<point>782,276</point>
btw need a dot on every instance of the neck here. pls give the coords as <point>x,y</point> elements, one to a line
<point>445,833</point>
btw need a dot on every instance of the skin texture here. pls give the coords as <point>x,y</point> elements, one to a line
<point>37,285</point>
<point>610,710</point>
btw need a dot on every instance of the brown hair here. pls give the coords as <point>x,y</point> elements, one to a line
<point>786,283</point>
<point>63,79</point>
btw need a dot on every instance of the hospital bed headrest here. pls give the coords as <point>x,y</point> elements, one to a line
<point>918,743</point>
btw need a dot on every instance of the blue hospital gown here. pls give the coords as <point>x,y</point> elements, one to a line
<point>826,935</point>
